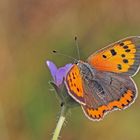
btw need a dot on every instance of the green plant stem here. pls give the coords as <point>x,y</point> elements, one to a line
<point>60,123</point>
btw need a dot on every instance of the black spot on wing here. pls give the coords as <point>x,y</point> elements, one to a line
<point>113,52</point>
<point>125,60</point>
<point>104,56</point>
<point>123,55</point>
<point>121,44</point>
<point>78,89</point>
<point>128,50</point>
<point>125,47</point>
<point>119,66</point>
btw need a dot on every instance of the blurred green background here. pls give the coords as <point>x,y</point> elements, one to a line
<point>29,31</point>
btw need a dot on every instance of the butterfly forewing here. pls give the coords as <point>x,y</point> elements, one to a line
<point>74,84</point>
<point>120,57</point>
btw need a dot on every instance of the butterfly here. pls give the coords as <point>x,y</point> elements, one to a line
<point>104,83</point>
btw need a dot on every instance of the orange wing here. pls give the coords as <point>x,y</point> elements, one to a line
<point>98,113</point>
<point>120,57</point>
<point>74,84</point>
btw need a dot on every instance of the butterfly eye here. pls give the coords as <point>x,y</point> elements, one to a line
<point>76,62</point>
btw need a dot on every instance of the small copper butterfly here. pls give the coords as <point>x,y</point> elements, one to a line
<point>103,83</point>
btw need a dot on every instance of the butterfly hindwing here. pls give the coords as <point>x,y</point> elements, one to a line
<point>98,113</point>
<point>74,84</point>
<point>112,93</point>
<point>120,57</point>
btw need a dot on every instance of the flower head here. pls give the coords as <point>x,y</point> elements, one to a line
<point>58,74</point>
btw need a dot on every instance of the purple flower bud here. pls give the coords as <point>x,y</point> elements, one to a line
<point>58,84</point>
<point>58,74</point>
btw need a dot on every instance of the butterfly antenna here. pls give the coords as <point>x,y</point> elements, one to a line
<point>58,53</point>
<point>77,47</point>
